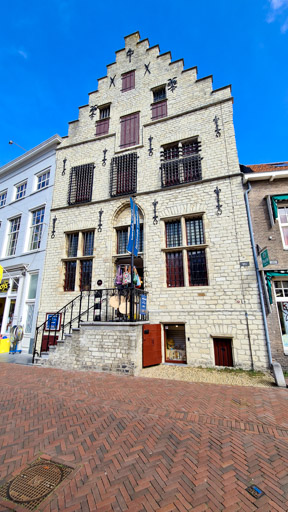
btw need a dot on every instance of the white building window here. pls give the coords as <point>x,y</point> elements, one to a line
<point>21,190</point>
<point>281,292</point>
<point>283,223</point>
<point>43,180</point>
<point>13,235</point>
<point>3,198</point>
<point>36,228</point>
<point>30,304</point>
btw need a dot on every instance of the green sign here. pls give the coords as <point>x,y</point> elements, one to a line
<point>265,258</point>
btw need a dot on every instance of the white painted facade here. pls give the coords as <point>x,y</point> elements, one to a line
<point>26,186</point>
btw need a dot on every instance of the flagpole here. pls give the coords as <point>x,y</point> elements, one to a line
<point>132,273</point>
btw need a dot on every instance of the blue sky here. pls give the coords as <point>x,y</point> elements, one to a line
<point>51,54</point>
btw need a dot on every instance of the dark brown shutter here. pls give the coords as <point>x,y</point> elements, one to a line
<point>159,110</point>
<point>102,127</point>
<point>128,81</point>
<point>130,130</point>
<point>174,269</point>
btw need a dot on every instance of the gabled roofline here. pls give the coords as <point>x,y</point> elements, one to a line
<point>32,153</point>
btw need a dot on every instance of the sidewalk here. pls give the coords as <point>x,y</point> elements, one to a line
<point>25,359</point>
<point>143,445</point>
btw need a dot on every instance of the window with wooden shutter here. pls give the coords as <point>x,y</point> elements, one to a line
<point>128,81</point>
<point>123,175</point>
<point>129,130</point>
<point>81,183</point>
<point>159,109</point>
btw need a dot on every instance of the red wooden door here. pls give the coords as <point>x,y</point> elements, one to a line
<point>223,352</point>
<point>152,352</point>
<point>47,341</point>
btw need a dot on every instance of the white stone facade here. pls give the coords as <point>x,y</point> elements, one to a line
<point>31,177</point>
<point>228,307</point>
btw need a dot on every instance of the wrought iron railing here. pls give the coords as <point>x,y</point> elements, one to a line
<point>107,305</point>
<point>181,170</point>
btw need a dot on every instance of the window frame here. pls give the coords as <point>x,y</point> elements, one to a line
<point>180,244</point>
<point>39,175</point>
<point>102,124</point>
<point>126,229</point>
<point>77,257</point>
<point>130,130</point>
<point>3,193</point>
<point>178,164</point>
<point>33,228</point>
<point>77,194</point>
<point>18,192</point>
<point>281,299</point>
<point>283,224</point>
<point>9,237</point>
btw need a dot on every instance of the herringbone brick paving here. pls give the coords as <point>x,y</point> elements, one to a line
<point>143,445</point>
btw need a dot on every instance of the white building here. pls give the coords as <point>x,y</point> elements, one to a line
<point>26,186</point>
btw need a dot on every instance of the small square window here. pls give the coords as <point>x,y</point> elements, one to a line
<point>3,198</point>
<point>43,180</point>
<point>104,112</point>
<point>21,190</point>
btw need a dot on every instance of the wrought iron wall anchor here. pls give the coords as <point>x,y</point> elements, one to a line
<point>53,227</point>
<point>64,166</point>
<point>92,111</point>
<point>172,84</point>
<point>155,217</point>
<point>129,54</point>
<point>147,70</point>
<point>219,206</point>
<point>112,81</point>
<point>150,153</point>
<point>104,157</point>
<point>100,220</point>
<point>217,129</point>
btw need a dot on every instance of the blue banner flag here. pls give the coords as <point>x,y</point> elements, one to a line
<point>137,231</point>
<point>130,245</point>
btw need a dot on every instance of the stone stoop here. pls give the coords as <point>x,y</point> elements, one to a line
<point>102,346</point>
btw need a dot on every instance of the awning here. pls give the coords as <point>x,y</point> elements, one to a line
<point>274,200</point>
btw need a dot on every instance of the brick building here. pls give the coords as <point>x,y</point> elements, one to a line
<point>268,200</point>
<point>155,131</point>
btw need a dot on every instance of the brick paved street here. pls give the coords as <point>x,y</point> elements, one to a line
<point>145,444</point>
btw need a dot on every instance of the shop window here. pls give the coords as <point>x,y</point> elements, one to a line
<point>187,233</point>
<point>81,184</point>
<point>281,292</point>
<point>21,190</point>
<point>13,235</point>
<point>3,198</point>
<point>175,343</point>
<point>10,314</point>
<point>128,81</point>
<point>181,163</point>
<point>78,271</point>
<point>43,180</point>
<point>36,229</point>
<point>33,286</point>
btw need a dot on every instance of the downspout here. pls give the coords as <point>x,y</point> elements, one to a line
<point>258,274</point>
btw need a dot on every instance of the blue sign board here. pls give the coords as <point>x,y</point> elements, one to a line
<point>143,304</point>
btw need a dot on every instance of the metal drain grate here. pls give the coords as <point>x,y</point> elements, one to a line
<point>35,483</point>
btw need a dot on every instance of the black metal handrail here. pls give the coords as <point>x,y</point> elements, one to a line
<point>101,305</point>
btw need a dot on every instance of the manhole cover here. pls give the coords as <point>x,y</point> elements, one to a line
<point>35,483</point>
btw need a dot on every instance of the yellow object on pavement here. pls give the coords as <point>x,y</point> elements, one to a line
<point>4,345</point>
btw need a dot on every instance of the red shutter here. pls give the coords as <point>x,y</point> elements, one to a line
<point>130,130</point>
<point>128,81</point>
<point>159,109</point>
<point>102,127</point>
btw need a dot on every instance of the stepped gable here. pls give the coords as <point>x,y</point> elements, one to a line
<point>152,69</point>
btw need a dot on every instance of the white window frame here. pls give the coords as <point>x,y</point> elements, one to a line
<point>30,302</point>
<point>39,182</point>
<point>18,192</point>
<point>10,233</point>
<point>3,199</point>
<point>282,224</point>
<point>33,228</point>
<point>281,298</point>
